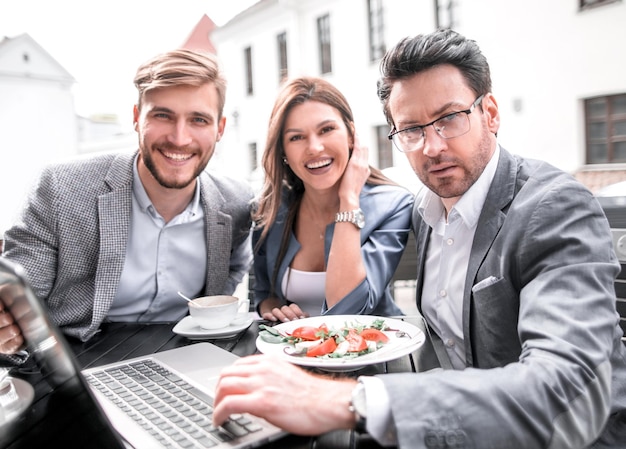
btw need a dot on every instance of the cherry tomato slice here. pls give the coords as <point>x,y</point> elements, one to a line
<point>374,335</point>
<point>356,342</point>
<point>308,333</point>
<point>328,346</point>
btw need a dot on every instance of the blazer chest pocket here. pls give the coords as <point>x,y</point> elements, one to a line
<point>493,323</point>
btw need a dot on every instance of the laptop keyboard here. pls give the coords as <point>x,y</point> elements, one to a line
<point>173,411</point>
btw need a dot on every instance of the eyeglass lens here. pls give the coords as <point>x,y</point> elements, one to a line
<point>452,125</point>
<point>449,126</point>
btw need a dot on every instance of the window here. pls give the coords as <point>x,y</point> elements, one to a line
<point>323,38</point>
<point>385,150</point>
<point>587,4</point>
<point>253,156</point>
<point>248,67</point>
<point>376,29</point>
<point>283,69</point>
<point>605,120</point>
<point>444,14</point>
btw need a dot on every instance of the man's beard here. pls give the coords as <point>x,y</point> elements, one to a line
<point>453,189</point>
<point>149,163</point>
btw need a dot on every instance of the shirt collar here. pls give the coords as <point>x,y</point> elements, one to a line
<point>471,202</point>
<point>146,205</point>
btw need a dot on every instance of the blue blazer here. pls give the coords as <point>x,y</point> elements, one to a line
<point>387,212</point>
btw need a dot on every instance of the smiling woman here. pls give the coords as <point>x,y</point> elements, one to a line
<point>330,228</point>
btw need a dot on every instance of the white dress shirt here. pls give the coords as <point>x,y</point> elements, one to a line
<point>444,278</point>
<point>447,259</point>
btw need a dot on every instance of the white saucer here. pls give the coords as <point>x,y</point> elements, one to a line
<point>187,327</point>
<point>17,397</point>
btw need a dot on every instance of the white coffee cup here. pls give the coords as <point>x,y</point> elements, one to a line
<point>216,312</point>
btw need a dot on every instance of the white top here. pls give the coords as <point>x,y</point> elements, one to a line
<point>305,288</point>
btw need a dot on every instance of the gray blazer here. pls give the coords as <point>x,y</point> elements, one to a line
<point>545,364</point>
<point>71,237</point>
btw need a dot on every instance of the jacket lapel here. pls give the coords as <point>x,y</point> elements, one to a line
<point>114,210</point>
<point>492,216</point>
<point>218,228</point>
<point>422,235</point>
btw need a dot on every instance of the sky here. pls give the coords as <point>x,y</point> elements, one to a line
<point>101,44</point>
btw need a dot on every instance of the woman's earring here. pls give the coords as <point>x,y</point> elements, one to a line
<point>285,162</point>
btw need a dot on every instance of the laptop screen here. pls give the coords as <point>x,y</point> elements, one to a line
<point>46,344</point>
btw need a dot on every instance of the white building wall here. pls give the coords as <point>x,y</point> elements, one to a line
<point>352,73</point>
<point>546,57</point>
<point>37,120</point>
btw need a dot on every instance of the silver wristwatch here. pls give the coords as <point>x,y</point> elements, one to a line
<point>356,217</point>
<point>358,406</point>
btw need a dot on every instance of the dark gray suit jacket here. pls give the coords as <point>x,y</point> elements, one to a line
<point>545,364</point>
<point>71,237</point>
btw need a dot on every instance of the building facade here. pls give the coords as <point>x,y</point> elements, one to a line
<point>557,67</point>
<point>37,119</point>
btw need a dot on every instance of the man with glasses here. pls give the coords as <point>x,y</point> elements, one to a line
<point>515,282</point>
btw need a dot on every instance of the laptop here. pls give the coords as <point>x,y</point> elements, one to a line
<point>155,401</point>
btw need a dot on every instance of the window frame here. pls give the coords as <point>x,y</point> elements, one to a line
<point>283,61</point>
<point>248,70</point>
<point>324,44</point>
<point>444,14</point>
<point>376,29</point>
<point>384,147</point>
<point>609,118</point>
<point>584,5</point>
<point>253,153</point>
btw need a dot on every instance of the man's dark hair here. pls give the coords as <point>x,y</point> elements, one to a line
<point>413,55</point>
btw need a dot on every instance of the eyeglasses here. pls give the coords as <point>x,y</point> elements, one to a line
<point>449,126</point>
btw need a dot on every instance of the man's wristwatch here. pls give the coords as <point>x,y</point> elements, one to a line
<point>356,217</point>
<point>358,406</point>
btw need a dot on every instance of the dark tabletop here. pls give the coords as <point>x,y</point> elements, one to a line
<point>44,422</point>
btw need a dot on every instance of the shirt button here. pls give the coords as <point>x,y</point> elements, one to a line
<point>450,241</point>
<point>449,342</point>
<point>442,293</point>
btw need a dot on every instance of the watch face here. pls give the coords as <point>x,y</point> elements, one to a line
<point>359,219</point>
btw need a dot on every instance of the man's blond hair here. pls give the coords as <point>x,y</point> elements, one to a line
<point>181,68</point>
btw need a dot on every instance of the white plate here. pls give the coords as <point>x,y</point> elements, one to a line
<point>187,327</point>
<point>395,348</point>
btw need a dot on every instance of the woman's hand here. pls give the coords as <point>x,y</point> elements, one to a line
<point>285,395</point>
<point>272,309</point>
<point>355,176</point>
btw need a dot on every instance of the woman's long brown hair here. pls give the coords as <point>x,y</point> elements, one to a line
<point>279,178</point>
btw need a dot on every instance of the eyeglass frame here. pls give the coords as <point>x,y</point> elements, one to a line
<point>467,112</point>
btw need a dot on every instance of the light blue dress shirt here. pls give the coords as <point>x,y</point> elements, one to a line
<point>161,259</point>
